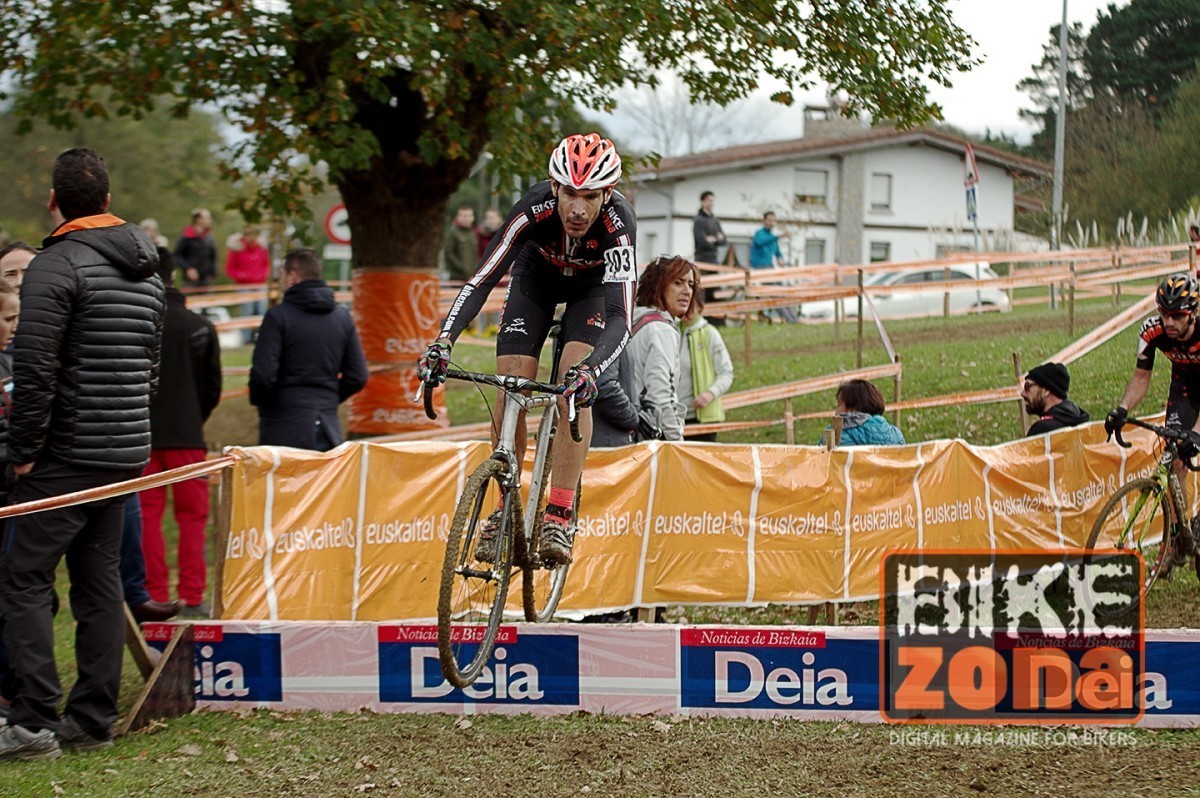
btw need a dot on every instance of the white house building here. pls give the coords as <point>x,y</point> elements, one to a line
<point>847,195</point>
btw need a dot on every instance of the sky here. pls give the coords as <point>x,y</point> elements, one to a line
<point>1009,36</point>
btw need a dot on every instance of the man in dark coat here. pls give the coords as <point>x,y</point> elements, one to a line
<point>1045,396</point>
<point>189,390</point>
<point>307,361</point>
<point>707,234</point>
<point>195,250</point>
<point>85,365</point>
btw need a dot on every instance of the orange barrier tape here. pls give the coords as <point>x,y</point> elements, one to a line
<point>729,426</point>
<point>118,488</point>
<point>1103,333</point>
<point>787,390</point>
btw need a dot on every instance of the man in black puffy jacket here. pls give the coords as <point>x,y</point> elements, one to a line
<point>85,364</point>
<point>307,361</point>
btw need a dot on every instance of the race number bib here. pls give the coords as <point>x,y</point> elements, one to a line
<point>619,265</point>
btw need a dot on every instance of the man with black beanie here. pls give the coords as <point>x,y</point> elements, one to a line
<point>1045,396</point>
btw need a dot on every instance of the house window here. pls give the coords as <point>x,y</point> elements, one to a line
<point>945,250</point>
<point>812,187</point>
<point>880,251</point>
<point>814,250</point>
<point>651,244</point>
<point>881,192</point>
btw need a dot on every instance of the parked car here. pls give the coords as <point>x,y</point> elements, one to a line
<point>900,300</point>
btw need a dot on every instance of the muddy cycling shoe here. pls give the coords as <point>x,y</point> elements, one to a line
<point>485,547</point>
<point>1178,554</point>
<point>554,549</point>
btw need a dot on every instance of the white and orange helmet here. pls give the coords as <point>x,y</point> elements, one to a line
<point>585,162</point>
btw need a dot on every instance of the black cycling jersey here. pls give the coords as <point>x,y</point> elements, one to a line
<point>1184,354</point>
<point>1183,394</point>
<point>533,233</point>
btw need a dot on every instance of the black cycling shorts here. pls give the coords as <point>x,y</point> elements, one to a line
<point>1183,400</point>
<point>535,288</point>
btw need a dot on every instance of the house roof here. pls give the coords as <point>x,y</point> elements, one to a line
<point>774,151</point>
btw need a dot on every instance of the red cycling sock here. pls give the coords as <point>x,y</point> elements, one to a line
<point>561,499</point>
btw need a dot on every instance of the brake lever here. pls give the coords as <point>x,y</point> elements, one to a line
<point>1121,441</point>
<point>427,395</point>
<point>573,417</point>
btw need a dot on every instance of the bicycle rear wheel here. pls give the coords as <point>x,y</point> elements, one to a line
<point>542,587</point>
<point>1138,517</point>
<point>471,599</point>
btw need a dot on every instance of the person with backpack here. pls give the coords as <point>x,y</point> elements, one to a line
<point>667,290</point>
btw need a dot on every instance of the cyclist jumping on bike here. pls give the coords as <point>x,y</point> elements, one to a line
<point>1173,332</point>
<point>569,239</point>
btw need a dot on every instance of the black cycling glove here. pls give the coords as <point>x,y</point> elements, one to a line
<point>1115,420</point>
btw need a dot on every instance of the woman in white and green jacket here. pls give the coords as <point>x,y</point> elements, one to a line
<point>705,370</point>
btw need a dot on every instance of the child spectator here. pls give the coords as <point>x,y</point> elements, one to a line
<point>860,406</point>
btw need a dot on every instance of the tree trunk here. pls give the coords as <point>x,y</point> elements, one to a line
<point>396,213</point>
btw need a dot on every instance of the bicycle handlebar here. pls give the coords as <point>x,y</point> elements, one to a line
<point>506,382</point>
<point>1170,434</point>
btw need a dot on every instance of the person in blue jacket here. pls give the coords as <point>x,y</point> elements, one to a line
<point>860,406</point>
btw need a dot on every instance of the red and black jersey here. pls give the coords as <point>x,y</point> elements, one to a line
<point>1183,354</point>
<point>605,252</point>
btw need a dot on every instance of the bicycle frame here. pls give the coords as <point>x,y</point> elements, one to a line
<point>1177,538</point>
<point>1166,477</point>
<point>506,443</point>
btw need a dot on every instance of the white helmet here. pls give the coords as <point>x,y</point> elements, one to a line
<point>585,162</point>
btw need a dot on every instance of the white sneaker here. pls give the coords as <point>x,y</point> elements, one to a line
<point>17,742</point>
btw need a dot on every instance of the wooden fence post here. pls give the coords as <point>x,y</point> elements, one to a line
<point>896,393</point>
<point>789,421</point>
<point>746,320</point>
<point>1114,288</point>
<point>1071,301</point>
<point>946,296</point>
<point>1019,372</point>
<point>858,344</point>
<point>224,520</point>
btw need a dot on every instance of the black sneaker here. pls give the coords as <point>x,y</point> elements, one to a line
<point>485,546</point>
<point>71,735</point>
<point>17,742</point>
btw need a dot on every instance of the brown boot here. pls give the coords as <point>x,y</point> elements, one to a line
<point>156,611</point>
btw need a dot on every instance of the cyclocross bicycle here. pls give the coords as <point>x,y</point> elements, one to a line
<point>1150,514</point>
<point>472,594</point>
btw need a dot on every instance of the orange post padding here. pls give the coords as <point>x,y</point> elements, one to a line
<point>397,314</point>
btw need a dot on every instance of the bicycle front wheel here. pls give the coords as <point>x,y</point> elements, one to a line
<point>471,599</point>
<point>1138,517</point>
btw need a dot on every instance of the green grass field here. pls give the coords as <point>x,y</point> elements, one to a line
<point>268,754</point>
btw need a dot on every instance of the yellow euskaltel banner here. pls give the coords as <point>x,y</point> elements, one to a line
<point>359,533</point>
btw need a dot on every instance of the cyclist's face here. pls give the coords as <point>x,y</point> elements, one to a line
<point>678,294</point>
<point>578,208</point>
<point>1178,325</point>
